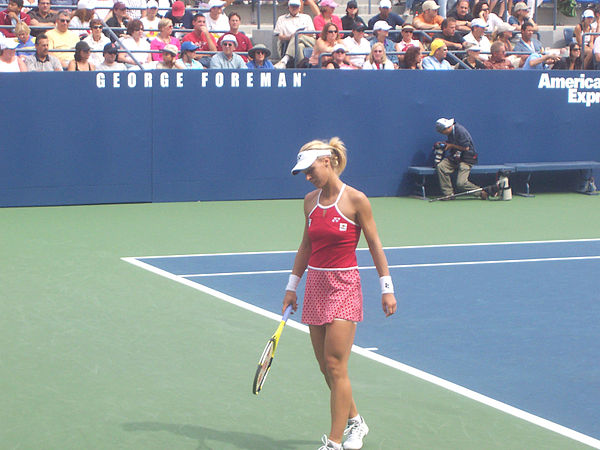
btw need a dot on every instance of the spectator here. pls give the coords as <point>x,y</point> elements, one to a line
<point>202,38</point>
<point>81,62</point>
<point>61,38</point>
<point>412,59</point>
<point>13,15</point>
<point>81,18</point>
<point>527,43</point>
<point>504,34</point>
<point>244,43</point>
<point>286,27</point>
<point>380,34</point>
<point>135,8</point>
<point>41,60</point>
<point>110,54</point>
<point>9,61</point>
<point>118,20</point>
<point>429,19</point>
<point>459,146</point>
<point>258,57</point>
<point>407,40</point>
<point>392,19</point>
<point>25,45</point>
<point>338,58</point>
<point>477,37</point>
<point>188,56</point>
<point>328,38</point>
<point>437,57</point>
<point>573,60</point>
<point>498,59</point>
<point>180,17</point>
<point>377,59</point>
<point>357,44</point>
<point>587,44</point>
<point>481,10</point>
<point>352,16</point>
<point>165,27</point>
<point>150,21</point>
<point>216,21</point>
<point>452,38</point>
<point>169,58</point>
<point>41,16</point>
<point>462,15</point>
<point>326,9</point>
<point>136,42</point>
<point>227,59</point>
<point>520,16</point>
<point>97,41</point>
<point>472,59</point>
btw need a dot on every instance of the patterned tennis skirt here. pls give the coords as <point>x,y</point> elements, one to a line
<point>332,294</point>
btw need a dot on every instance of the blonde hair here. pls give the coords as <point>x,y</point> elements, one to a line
<point>164,22</point>
<point>377,45</point>
<point>22,26</point>
<point>338,156</point>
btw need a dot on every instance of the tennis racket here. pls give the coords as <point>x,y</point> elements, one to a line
<point>264,364</point>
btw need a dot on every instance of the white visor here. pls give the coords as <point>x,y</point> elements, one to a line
<point>307,158</point>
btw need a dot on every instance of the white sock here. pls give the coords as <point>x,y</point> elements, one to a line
<point>335,444</point>
<point>357,418</point>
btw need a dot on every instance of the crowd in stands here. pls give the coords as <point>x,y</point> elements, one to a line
<point>133,35</point>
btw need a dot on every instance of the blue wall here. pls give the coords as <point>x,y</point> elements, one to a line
<point>73,138</point>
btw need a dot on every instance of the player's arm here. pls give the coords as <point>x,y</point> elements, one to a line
<point>364,215</point>
<point>301,260</point>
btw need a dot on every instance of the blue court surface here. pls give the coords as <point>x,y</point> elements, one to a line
<point>516,324</point>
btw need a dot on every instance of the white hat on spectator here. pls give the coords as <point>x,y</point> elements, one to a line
<point>229,38</point>
<point>441,124</point>
<point>429,4</point>
<point>478,23</point>
<point>152,4</point>
<point>82,4</point>
<point>503,26</point>
<point>294,3</point>
<point>9,44</point>
<point>215,4</point>
<point>588,13</point>
<point>385,4</point>
<point>170,48</point>
<point>338,47</point>
<point>381,25</point>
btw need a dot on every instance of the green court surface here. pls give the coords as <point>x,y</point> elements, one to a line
<point>98,354</point>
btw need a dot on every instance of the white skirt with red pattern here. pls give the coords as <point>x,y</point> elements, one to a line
<point>330,295</point>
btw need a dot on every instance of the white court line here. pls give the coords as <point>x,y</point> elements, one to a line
<point>474,244</point>
<point>405,266</point>
<point>468,393</point>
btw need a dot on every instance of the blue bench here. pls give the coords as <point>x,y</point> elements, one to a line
<point>423,171</point>
<point>585,168</point>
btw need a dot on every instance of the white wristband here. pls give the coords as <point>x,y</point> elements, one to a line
<point>387,287</point>
<point>292,284</point>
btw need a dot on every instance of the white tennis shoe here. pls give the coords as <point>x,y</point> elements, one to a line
<point>328,445</point>
<point>356,431</point>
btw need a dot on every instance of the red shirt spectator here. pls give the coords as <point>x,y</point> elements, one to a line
<point>13,15</point>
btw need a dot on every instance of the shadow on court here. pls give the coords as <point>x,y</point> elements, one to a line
<point>203,434</point>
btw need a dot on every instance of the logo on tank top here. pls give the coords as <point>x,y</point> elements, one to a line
<point>336,219</point>
<point>343,226</point>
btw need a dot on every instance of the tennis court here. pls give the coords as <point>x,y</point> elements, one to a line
<point>494,345</point>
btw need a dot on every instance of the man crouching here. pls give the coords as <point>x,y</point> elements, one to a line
<point>459,154</point>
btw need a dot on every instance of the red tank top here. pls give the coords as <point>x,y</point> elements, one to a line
<point>333,237</point>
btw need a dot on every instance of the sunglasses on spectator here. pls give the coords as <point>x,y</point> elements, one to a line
<point>407,31</point>
<point>332,31</point>
<point>97,27</point>
<point>227,44</point>
<point>576,49</point>
<point>64,20</point>
<point>485,9</point>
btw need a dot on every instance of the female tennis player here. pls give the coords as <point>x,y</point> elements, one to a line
<point>335,215</point>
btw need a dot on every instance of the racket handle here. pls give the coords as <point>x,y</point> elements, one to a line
<point>286,313</point>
